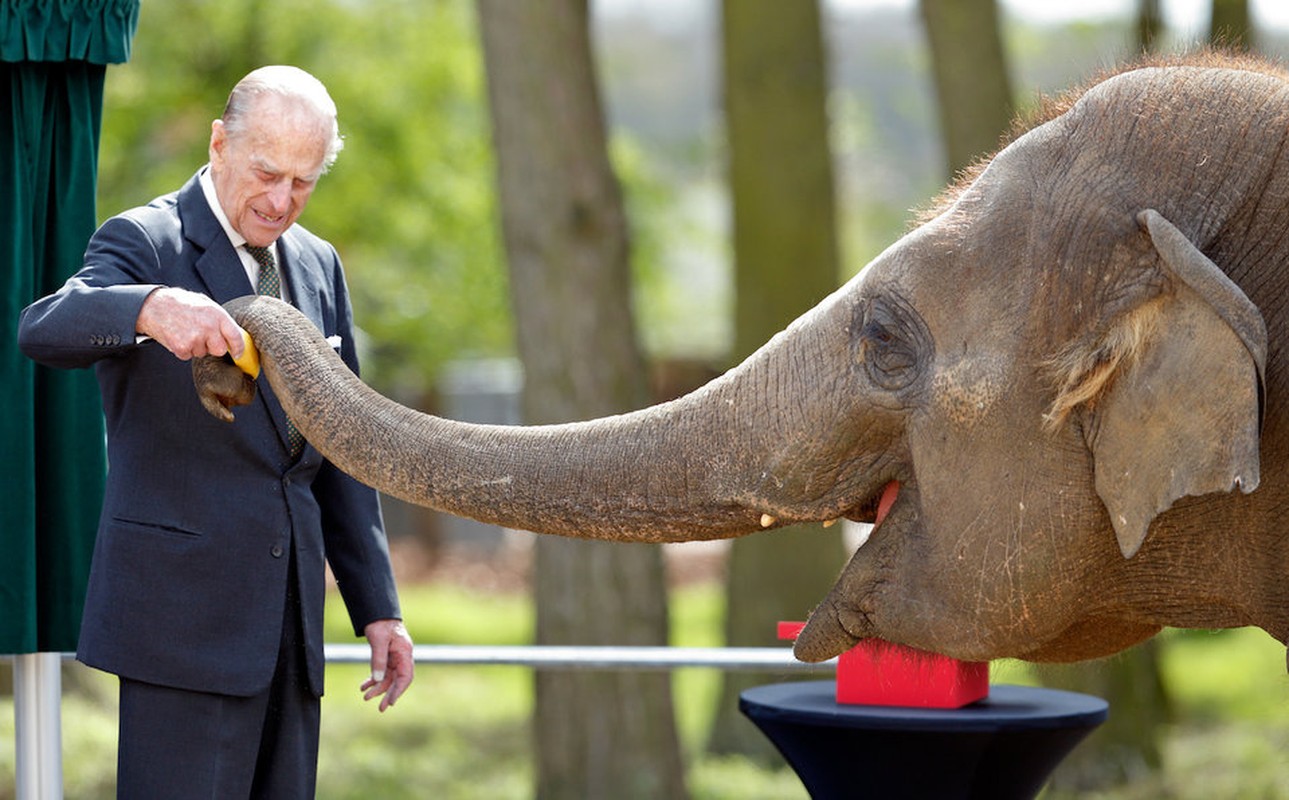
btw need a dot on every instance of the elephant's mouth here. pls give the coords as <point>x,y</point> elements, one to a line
<point>873,509</point>
<point>866,511</point>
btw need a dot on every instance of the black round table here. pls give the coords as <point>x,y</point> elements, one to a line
<point>1004,746</point>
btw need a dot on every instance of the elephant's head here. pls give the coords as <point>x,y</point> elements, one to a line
<point>1057,380</point>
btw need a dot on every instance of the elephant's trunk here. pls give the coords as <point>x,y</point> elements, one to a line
<point>669,473</point>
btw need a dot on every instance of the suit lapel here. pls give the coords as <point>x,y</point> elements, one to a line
<point>302,274</point>
<point>217,264</point>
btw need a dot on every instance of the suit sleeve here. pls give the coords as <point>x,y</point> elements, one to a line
<point>352,525</point>
<point>94,314</point>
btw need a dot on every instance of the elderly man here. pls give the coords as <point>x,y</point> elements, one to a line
<point>206,590</point>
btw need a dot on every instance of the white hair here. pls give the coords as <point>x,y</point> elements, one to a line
<point>290,83</point>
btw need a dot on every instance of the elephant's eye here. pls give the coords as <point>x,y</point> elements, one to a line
<point>888,343</point>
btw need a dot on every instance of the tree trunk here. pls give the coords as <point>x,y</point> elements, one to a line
<point>785,249</point>
<point>1150,25</point>
<point>972,88</point>
<point>564,225</point>
<point>1231,26</point>
<point>1127,746</point>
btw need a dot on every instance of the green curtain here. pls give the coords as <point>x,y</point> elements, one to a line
<point>53,56</point>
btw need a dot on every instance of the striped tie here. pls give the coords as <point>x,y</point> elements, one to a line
<point>269,284</point>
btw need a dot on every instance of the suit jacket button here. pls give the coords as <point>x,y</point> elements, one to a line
<point>276,551</point>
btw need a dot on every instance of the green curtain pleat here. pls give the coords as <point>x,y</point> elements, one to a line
<point>97,31</point>
<point>51,476</point>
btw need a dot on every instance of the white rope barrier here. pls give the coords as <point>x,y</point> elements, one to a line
<point>759,659</point>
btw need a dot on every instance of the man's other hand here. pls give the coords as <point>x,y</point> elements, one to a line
<point>391,661</point>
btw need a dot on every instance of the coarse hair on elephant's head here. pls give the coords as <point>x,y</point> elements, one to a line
<point>1063,383</point>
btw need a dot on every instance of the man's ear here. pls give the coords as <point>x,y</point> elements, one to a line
<point>1182,414</point>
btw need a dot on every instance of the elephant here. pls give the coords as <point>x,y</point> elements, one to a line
<point>1065,385</point>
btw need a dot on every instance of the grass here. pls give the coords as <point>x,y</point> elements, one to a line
<point>463,732</point>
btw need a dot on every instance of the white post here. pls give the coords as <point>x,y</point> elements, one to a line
<point>38,736</point>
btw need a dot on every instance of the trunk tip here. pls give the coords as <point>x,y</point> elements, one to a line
<point>823,637</point>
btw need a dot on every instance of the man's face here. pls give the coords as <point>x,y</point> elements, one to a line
<point>264,176</point>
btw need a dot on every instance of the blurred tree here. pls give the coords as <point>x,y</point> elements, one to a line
<point>604,734</point>
<point>971,83</point>
<point>1230,25</point>
<point>786,261</point>
<point>409,204</point>
<point>1150,25</point>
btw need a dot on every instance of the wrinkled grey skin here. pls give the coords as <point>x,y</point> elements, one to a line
<point>1073,372</point>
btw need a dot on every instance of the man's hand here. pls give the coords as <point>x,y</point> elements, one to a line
<point>391,661</point>
<point>189,324</point>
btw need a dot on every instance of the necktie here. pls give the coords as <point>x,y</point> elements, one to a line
<point>269,284</point>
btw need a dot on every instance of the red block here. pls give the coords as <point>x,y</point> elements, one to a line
<point>879,673</point>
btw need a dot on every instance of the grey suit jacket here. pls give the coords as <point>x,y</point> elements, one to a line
<point>188,581</point>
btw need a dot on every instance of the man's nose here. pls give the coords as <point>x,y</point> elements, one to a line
<point>280,196</point>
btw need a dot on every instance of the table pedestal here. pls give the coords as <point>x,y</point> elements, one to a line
<point>1004,746</point>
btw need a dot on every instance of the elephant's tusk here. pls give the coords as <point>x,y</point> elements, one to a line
<point>828,523</point>
<point>766,520</point>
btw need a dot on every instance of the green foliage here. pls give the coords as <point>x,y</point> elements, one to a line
<point>414,213</point>
<point>1222,675</point>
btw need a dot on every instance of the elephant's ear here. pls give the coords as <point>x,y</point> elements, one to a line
<point>1183,415</point>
